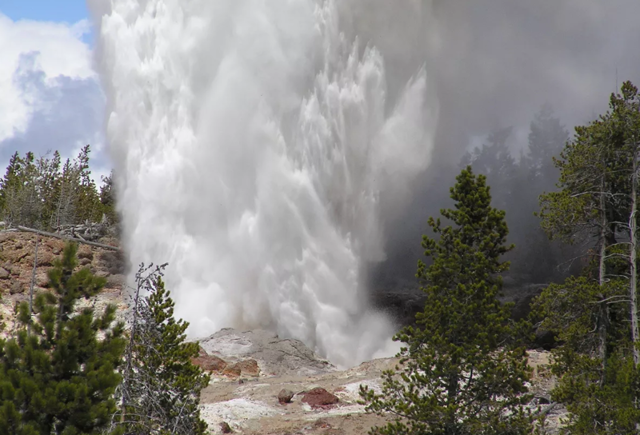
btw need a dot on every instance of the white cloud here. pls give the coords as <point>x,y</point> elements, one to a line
<point>61,52</point>
<point>50,96</point>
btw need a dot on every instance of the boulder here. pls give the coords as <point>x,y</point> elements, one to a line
<point>85,252</point>
<point>16,287</point>
<point>248,367</point>
<point>285,396</point>
<point>46,258</point>
<point>112,261</point>
<point>275,356</point>
<point>209,363</point>
<point>319,397</point>
<point>42,278</point>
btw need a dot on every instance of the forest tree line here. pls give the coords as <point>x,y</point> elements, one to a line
<point>46,193</point>
<point>516,184</point>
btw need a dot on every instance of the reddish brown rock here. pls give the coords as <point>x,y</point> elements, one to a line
<point>84,251</point>
<point>319,397</point>
<point>209,363</point>
<point>232,372</point>
<point>45,258</point>
<point>225,428</point>
<point>15,255</point>
<point>248,367</point>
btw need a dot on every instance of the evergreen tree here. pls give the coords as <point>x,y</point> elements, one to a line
<point>537,258</point>
<point>461,370</point>
<point>494,160</point>
<point>547,137</point>
<point>160,393</point>
<point>11,181</point>
<point>592,359</point>
<point>48,180</point>
<point>56,375</point>
<point>78,199</point>
<point>597,357</point>
<point>45,194</point>
<point>108,199</point>
<point>19,194</point>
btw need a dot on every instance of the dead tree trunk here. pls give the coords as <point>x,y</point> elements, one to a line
<point>33,282</point>
<point>73,239</point>
<point>633,278</point>
<point>603,312</point>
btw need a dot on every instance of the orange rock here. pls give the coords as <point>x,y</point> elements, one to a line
<point>209,363</point>
<point>232,372</point>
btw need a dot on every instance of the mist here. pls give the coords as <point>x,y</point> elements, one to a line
<point>494,64</point>
<point>275,154</point>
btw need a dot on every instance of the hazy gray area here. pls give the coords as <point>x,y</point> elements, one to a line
<point>493,64</point>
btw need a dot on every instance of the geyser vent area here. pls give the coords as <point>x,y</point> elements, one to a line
<point>258,153</point>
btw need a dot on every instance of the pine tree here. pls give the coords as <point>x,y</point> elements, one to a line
<point>461,370</point>
<point>160,393</point>
<point>108,199</point>
<point>19,192</point>
<point>537,258</point>
<point>10,182</point>
<point>596,379</point>
<point>41,193</point>
<point>494,160</point>
<point>56,375</point>
<point>597,356</point>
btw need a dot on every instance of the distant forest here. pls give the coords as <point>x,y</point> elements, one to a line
<point>517,180</point>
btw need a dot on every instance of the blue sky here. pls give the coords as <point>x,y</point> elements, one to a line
<point>57,11</point>
<point>69,11</point>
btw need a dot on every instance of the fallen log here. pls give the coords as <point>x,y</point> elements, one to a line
<point>73,239</point>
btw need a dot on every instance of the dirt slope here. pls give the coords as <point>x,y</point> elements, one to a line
<point>17,251</point>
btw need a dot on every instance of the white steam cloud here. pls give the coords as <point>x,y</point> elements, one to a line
<point>259,147</point>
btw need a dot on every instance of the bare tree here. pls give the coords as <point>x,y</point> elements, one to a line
<point>160,392</point>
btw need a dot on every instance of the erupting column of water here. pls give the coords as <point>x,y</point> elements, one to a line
<point>255,145</point>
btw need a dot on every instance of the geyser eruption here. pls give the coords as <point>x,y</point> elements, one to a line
<point>258,152</point>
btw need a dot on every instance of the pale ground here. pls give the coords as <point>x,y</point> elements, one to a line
<point>250,404</point>
<point>252,407</point>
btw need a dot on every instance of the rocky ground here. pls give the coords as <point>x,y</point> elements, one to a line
<point>17,251</point>
<point>261,384</point>
<point>286,389</point>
